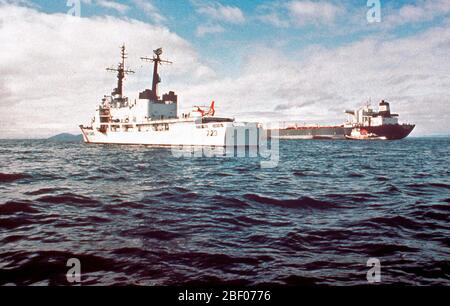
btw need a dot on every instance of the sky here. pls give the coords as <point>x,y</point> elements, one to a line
<point>291,60</point>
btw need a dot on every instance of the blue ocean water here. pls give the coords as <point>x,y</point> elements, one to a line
<point>139,215</point>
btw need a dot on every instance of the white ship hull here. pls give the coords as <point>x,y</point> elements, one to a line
<point>176,132</point>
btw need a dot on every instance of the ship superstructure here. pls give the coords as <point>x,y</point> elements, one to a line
<point>151,119</point>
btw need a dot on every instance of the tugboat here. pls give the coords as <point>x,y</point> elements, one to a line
<point>362,134</point>
<point>367,124</point>
<point>153,120</point>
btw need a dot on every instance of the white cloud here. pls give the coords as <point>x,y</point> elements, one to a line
<point>273,19</point>
<point>348,18</point>
<point>150,10</point>
<point>19,2</point>
<point>220,12</point>
<point>109,4</point>
<point>273,13</point>
<point>299,13</point>
<point>421,11</point>
<point>304,12</point>
<point>202,30</point>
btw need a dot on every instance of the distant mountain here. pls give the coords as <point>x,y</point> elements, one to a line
<point>66,137</point>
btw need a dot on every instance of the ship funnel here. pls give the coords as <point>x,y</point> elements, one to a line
<point>384,108</point>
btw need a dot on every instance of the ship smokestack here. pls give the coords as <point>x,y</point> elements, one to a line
<point>384,108</point>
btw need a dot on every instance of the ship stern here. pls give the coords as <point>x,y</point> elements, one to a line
<point>84,132</point>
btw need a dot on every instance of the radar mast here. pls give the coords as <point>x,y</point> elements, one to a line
<point>156,59</point>
<point>121,72</point>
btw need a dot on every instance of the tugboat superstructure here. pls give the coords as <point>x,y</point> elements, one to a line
<point>151,119</point>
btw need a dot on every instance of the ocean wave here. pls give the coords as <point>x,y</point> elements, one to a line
<point>42,191</point>
<point>296,280</point>
<point>334,234</point>
<point>15,222</point>
<point>66,198</point>
<point>420,186</point>
<point>176,195</point>
<point>351,198</point>
<point>431,215</point>
<point>440,185</point>
<point>213,280</point>
<point>383,249</point>
<point>13,238</point>
<point>303,202</point>
<point>229,201</point>
<point>220,260</point>
<point>253,221</point>
<point>440,207</point>
<point>393,189</point>
<point>396,221</point>
<point>151,234</point>
<point>260,239</point>
<point>48,266</point>
<point>306,173</point>
<point>11,177</point>
<point>12,207</point>
<point>136,205</point>
<point>431,273</point>
<point>96,220</point>
<point>355,174</point>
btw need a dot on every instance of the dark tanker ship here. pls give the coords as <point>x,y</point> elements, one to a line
<point>364,124</point>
